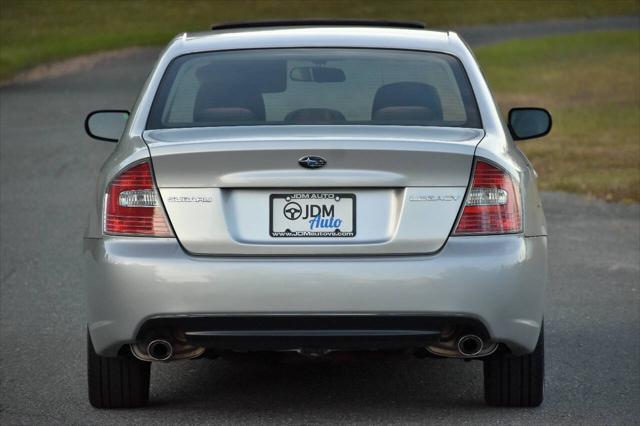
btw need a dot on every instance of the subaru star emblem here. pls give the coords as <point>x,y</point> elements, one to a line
<point>312,162</point>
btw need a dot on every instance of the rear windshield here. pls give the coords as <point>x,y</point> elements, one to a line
<point>314,86</point>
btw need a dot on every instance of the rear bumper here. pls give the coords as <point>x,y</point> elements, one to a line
<point>496,281</point>
<point>307,331</point>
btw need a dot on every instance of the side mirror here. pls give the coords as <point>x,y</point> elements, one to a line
<point>528,123</point>
<point>106,125</point>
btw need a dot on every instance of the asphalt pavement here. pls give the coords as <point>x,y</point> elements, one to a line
<point>47,174</point>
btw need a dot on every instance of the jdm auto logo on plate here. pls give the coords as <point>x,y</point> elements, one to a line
<point>313,214</point>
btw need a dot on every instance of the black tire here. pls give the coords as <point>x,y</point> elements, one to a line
<point>121,382</point>
<point>515,381</point>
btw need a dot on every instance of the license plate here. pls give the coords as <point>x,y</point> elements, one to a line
<point>313,214</point>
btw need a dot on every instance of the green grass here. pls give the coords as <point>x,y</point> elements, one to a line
<point>37,31</point>
<point>591,84</point>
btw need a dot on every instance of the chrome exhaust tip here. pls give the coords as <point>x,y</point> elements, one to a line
<point>470,345</point>
<point>160,350</point>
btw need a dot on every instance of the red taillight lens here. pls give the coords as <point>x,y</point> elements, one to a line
<point>132,205</point>
<point>492,205</point>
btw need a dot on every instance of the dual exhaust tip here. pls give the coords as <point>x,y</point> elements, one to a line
<point>160,350</point>
<point>458,345</point>
<point>470,345</point>
<point>165,345</point>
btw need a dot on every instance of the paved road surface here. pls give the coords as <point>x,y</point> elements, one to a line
<point>47,170</point>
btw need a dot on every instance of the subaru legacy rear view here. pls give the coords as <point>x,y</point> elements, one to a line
<point>316,187</point>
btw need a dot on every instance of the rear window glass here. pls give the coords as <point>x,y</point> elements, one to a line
<point>314,86</point>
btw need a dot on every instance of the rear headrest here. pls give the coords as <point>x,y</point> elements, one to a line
<point>314,116</point>
<point>407,94</point>
<point>215,95</point>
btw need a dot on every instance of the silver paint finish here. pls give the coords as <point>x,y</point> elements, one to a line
<point>357,156</point>
<point>237,222</point>
<point>408,161</point>
<point>499,280</point>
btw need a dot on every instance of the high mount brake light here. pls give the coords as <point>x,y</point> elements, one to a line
<point>132,205</point>
<point>492,205</point>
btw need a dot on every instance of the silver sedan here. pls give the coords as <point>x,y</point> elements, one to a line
<point>316,186</point>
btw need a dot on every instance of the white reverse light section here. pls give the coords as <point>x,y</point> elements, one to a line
<point>138,198</point>
<point>487,197</point>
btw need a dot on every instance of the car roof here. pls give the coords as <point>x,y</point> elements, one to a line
<point>338,36</point>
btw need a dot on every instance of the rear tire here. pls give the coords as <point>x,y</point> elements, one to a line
<point>515,381</point>
<point>121,382</point>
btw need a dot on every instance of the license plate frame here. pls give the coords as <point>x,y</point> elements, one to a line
<point>307,198</point>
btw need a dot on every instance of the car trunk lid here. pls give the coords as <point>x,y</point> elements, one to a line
<point>398,188</point>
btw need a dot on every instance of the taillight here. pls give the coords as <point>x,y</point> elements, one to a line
<point>132,205</point>
<point>492,205</point>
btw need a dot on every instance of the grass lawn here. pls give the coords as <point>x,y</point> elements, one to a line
<point>37,31</point>
<point>591,84</point>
